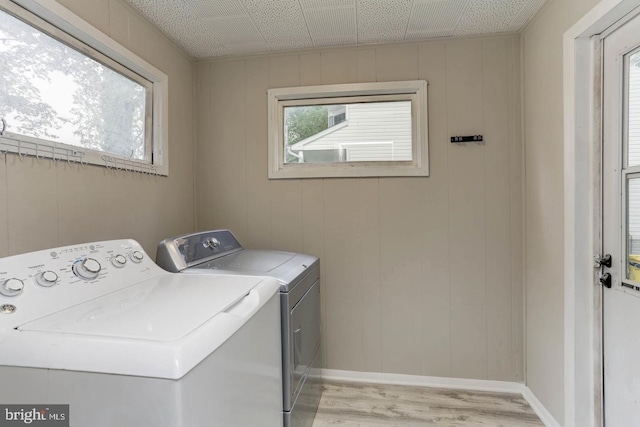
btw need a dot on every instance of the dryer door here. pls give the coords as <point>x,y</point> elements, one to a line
<point>305,335</point>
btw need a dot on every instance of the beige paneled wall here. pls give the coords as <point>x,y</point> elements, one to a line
<point>420,275</point>
<point>543,118</point>
<point>45,204</point>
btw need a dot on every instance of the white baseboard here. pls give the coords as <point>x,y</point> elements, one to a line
<point>537,406</point>
<point>419,380</point>
<point>443,382</point>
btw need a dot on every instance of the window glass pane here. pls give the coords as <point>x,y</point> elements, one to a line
<point>634,110</point>
<point>633,229</point>
<point>358,132</point>
<point>51,91</point>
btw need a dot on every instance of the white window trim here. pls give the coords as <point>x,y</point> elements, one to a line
<point>70,23</point>
<point>416,91</point>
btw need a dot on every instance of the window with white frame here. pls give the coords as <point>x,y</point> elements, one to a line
<point>366,129</point>
<point>65,99</point>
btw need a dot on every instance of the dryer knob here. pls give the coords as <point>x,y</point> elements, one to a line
<point>87,268</point>
<point>11,287</point>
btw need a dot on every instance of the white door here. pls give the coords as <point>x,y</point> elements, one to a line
<point>621,226</point>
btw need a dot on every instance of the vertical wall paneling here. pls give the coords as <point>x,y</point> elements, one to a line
<point>286,195</point>
<point>228,162</point>
<point>366,65</point>
<point>205,147</point>
<point>371,297</point>
<point>32,204</point>
<point>119,22</point>
<point>4,230</point>
<point>498,208</point>
<point>343,277</point>
<point>80,222</point>
<point>95,12</point>
<point>204,144</point>
<point>516,180</point>
<point>401,231</point>
<point>339,67</point>
<point>310,69</point>
<point>436,285</point>
<point>258,186</point>
<point>404,260</point>
<point>397,63</point>
<point>467,211</point>
<point>401,234</point>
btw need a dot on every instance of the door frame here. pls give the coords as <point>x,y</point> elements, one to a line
<point>582,86</point>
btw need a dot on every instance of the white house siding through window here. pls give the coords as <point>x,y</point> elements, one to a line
<point>359,132</point>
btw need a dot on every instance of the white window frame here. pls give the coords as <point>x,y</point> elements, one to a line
<point>54,19</point>
<point>415,91</point>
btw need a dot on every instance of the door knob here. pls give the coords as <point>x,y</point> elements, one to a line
<point>605,280</point>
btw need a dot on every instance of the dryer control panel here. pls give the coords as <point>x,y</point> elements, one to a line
<point>39,283</point>
<point>179,253</point>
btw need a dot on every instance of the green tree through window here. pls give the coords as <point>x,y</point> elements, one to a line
<point>303,122</point>
<point>51,91</point>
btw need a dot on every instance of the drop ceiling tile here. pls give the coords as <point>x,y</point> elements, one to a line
<point>526,12</point>
<point>319,4</point>
<point>236,30</point>
<point>207,9</point>
<point>281,23</point>
<point>180,23</point>
<point>382,21</point>
<point>331,23</point>
<point>209,28</point>
<point>488,16</point>
<point>435,18</point>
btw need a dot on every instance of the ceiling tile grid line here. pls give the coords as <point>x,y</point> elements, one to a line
<point>306,20</point>
<point>435,18</point>
<point>464,11</point>
<point>527,12</point>
<point>211,28</point>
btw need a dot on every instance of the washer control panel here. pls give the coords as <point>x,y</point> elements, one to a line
<point>39,283</point>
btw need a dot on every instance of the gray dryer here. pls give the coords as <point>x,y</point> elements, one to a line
<point>219,252</point>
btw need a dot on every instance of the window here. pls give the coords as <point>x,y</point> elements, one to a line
<point>64,99</point>
<point>368,129</point>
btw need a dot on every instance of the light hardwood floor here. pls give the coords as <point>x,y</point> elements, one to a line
<point>375,405</point>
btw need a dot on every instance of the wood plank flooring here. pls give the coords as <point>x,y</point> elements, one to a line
<point>375,405</point>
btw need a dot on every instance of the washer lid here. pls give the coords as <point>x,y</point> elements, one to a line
<point>161,328</point>
<point>164,309</point>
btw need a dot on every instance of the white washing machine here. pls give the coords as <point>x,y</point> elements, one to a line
<point>100,327</point>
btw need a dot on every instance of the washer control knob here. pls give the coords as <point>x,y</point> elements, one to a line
<point>87,268</point>
<point>47,278</point>
<point>118,261</point>
<point>11,287</point>
<point>136,256</point>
